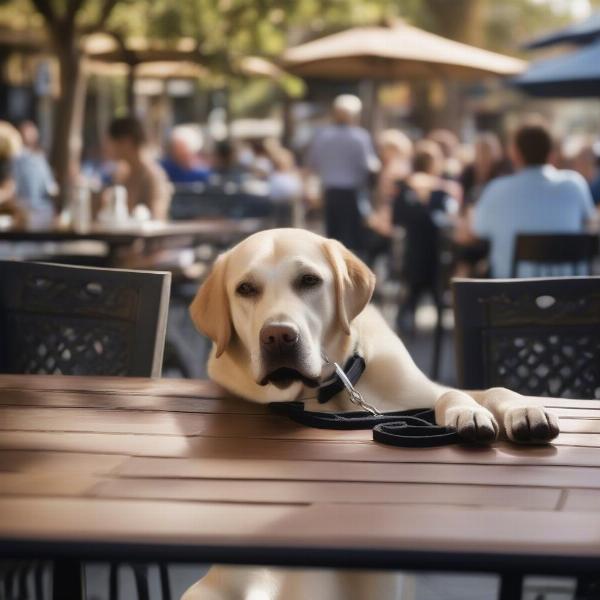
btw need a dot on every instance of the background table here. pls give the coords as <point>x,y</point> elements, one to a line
<point>103,468</point>
<point>145,237</point>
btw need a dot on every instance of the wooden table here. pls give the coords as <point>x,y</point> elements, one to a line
<point>145,237</point>
<point>103,468</point>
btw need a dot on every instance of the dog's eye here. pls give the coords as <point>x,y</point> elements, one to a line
<point>308,280</point>
<point>246,289</point>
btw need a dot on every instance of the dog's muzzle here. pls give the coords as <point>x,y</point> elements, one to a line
<point>281,355</point>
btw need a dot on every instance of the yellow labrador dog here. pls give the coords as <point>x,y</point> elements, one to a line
<point>274,306</point>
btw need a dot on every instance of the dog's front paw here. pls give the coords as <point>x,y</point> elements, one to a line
<point>530,424</point>
<point>473,424</point>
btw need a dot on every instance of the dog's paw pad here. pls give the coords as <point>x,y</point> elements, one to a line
<point>531,424</point>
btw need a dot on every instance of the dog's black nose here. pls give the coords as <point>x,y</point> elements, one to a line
<point>275,337</point>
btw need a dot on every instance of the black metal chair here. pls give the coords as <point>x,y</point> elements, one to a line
<point>535,336</point>
<point>551,253</point>
<point>211,202</point>
<point>59,319</point>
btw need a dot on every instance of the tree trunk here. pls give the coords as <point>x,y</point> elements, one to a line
<point>68,122</point>
<point>131,67</point>
<point>464,21</point>
<point>461,20</point>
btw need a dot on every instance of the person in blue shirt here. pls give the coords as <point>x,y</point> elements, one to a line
<point>538,198</point>
<point>183,164</point>
<point>35,183</point>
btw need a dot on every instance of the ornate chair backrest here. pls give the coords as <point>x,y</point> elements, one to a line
<point>57,319</point>
<point>535,336</point>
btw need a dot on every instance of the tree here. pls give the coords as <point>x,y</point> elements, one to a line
<point>225,30</point>
<point>64,23</point>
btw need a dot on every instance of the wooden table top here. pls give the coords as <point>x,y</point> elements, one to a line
<point>107,467</point>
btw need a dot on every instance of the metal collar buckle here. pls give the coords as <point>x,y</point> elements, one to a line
<point>353,394</point>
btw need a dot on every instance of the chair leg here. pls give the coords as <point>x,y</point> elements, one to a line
<point>113,581</point>
<point>23,581</point>
<point>438,338</point>
<point>10,581</point>
<point>165,582</point>
<point>140,572</point>
<point>511,587</point>
<point>67,580</point>
<point>588,588</point>
<point>38,580</point>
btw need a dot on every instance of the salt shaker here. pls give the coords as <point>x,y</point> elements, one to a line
<point>81,211</point>
<point>119,204</point>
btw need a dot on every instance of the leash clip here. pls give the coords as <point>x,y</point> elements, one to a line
<point>353,394</point>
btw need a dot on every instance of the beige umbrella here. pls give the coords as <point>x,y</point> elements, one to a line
<point>149,70</point>
<point>179,59</point>
<point>399,51</point>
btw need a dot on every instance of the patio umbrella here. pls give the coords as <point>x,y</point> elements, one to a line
<point>399,51</point>
<point>580,33</point>
<point>573,75</point>
<point>180,59</point>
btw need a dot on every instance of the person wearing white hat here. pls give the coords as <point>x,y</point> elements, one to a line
<point>343,157</point>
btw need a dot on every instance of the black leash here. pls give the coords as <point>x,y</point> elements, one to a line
<point>413,428</point>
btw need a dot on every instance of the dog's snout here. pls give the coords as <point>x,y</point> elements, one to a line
<point>277,336</point>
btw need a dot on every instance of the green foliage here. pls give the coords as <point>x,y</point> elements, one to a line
<point>227,28</point>
<point>510,23</point>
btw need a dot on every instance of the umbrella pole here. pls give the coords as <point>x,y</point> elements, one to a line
<point>369,95</point>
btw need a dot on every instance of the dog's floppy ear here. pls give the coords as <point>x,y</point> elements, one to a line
<point>210,308</point>
<point>354,282</point>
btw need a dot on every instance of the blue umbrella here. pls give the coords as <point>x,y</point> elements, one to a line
<point>573,75</point>
<point>580,33</point>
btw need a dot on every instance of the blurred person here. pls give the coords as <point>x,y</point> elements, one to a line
<point>34,180</point>
<point>144,179</point>
<point>284,180</point>
<point>487,164</point>
<point>285,185</point>
<point>10,147</point>
<point>342,156</point>
<point>183,164</point>
<point>225,165</point>
<point>262,163</point>
<point>450,146</point>
<point>587,163</point>
<point>423,205</point>
<point>538,198</point>
<point>396,154</point>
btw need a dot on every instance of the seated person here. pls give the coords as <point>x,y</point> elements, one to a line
<point>488,163</point>
<point>183,165</point>
<point>284,180</point>
<point>587,162</point>
<point>35,184</point>
<point>226,168</point>
<point>538,198</point>
<point>422,206</point>
<point>144,179</point>
<point>10,146</point>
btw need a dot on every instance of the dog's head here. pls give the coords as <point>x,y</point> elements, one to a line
<point>278,298</point>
